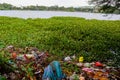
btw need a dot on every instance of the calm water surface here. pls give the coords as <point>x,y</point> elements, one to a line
<point>48,14</point>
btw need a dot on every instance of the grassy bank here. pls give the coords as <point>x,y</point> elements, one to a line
<point>93,39</point>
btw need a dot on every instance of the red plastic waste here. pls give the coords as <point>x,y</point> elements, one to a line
<point>98,64</point>
<point>14,55</point>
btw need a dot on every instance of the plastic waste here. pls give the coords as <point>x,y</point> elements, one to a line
<point>14,55</point>
<point>81,59</point>
<point>73,57</point>
<point>87,69</point>
<point>10,47</point>
<point>87,64</point>
<point>20,57</point>
<point>57,70</point>
<point>24,57</point>
<point>79,64</point>
<point>98,64</point>
<point>48,74</point>
<point>53,72</point>
<point>67,58</point>
<point>35,55</point>
<point>29,56</point>
<point>11,62</point>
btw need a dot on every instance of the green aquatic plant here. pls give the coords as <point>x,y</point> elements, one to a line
<point>63,36</point>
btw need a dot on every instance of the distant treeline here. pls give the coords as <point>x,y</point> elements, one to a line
<point>6,6</point>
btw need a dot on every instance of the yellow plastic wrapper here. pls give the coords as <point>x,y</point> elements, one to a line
<point>81,59</point>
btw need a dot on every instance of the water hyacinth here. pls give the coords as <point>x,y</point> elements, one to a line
<point>64,36</point>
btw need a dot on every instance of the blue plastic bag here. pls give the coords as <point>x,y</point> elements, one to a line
<point>57,70</point>
<point>48,73</point>
<point>53,72</point>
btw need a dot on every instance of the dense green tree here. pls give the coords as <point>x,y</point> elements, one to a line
<point>70,9</point>
<point>6,6</point>
<point>107,6</point>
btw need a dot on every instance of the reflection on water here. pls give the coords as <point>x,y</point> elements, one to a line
<point>48,14</point>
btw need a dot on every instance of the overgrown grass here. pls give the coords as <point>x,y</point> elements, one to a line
<point>94,39</point>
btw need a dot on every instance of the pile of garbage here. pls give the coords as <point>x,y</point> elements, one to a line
<point>28,63</point>
<point>93,71</point>
<point>31,64</point>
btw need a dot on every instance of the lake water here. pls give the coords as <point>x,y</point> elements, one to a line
<point>48,14</point>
